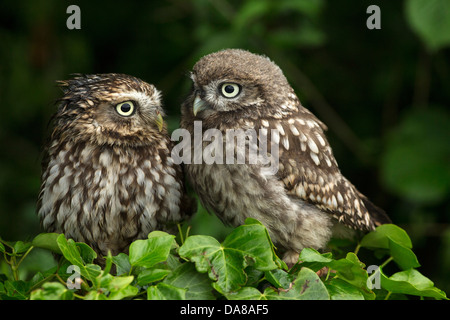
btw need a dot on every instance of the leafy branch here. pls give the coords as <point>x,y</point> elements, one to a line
<point>244,266</point>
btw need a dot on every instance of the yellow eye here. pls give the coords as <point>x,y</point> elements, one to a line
<point>125,109</point>
<point>230,90</point>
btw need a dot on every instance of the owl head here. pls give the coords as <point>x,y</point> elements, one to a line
<point>109,109</point>
<point>239,83</point>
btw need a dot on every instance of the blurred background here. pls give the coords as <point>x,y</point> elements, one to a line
<point>384,93</point>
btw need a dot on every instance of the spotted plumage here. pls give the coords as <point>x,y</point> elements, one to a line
<point>308,197</point>
<point>108,176</point>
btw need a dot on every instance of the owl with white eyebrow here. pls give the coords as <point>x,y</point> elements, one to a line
<point>108,177</point>
<point>308,198</point>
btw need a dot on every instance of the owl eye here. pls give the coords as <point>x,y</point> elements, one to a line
<point>230,90</point>
<point>125,109</point>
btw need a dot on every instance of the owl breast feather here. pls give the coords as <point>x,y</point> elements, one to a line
<point>107,196</point>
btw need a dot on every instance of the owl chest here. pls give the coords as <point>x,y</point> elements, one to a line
<point>229,189</point>
<point>97,183</point>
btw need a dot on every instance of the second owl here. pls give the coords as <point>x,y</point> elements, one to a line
<point>108,177</point>
<point>303,202</point>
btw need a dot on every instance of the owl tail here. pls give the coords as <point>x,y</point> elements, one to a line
<point>377,214</point>
<point>189,204</point>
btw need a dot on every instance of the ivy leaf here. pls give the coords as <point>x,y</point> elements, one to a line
<point>95,295</point>
<point>404,257</point>
<point>52,291</point>
<point>349,269</point>
<point>15,290</point>
<point>430,19</point>
<point>87,254</point>
<point>198,249</point>
<point>198,284</point>
<point>42,277</point>
<point>126,292</point>
<point>411,282</point>
<point>164,291</point>
<point>279,278</point>
<point>122,263</point>
<point>312,259</point>
<point>118,287</point>
<point>225,263</point>
<point>307,286</point>
<point>396,241</point>
<point>311,255</point>
<point>71,252</point>
<point>146,253</point>
<point>246,293</point>
<point>422,138</point>
<point>379,238</point>
<point>224,266</point>
<point>252,241</point>
<point>47,241</point>
<point>21,247</point>
<point>254,276</point>
<point>150,275</point>
<point>342,290</point>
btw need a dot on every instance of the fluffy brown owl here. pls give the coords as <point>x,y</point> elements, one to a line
<point>108,176</point>
<point>307,198</point>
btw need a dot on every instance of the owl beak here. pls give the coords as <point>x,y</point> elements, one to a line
<point>199,105</point>
<point>159,121</point>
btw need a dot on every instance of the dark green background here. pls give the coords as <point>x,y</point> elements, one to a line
<point>383,93</point>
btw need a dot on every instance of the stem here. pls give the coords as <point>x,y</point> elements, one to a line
<point>357,249</point>
<point>140,293</point>
<point>60,279</point>
<point>328,274</point>
<point>40,283</point>
<point>6,259</point>
<point>386,262</point>
<point>78,296</point>
<point>381,268</point>
<point>23,257</point>
<point>181,233</point>
<point>14,270</point>
<point>6,244</point>
<point>388,295</point>
<point>187,231</point>
<point>12,261</point>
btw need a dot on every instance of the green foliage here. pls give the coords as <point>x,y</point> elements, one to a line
<point>243,266</point>
<point>382,93</point>
<point>416,161</point>
<point>428,18</point>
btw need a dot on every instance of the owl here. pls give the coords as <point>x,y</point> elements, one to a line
<point>307,199</point>
<point>107,175</point>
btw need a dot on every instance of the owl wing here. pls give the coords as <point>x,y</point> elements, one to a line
<point>310,172</point>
